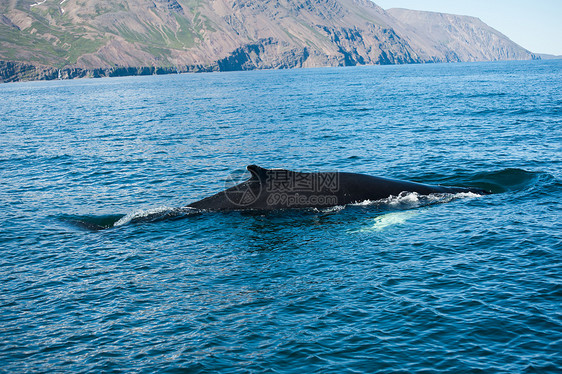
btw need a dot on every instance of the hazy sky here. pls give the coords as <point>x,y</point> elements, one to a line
<point>533,24</point>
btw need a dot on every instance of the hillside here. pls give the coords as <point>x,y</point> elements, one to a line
<point>447,37</point>
<point>48,39</point>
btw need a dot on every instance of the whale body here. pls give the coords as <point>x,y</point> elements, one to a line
<point>276,189</point>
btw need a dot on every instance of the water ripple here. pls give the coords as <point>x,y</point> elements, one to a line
<point>102,271</point>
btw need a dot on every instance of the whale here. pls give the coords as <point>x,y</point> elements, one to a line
<point>280,189</point>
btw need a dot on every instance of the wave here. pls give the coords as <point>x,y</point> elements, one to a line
<point>156,214</point>
<point>104,222</point>
<point>91,222</point>
<point>498,181</point>
<point>511,179</point>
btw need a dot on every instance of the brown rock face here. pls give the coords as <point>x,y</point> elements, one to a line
<point>47,39</point>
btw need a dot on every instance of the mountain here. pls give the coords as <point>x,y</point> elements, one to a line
<point>48,39</point>
<point>446,37</point>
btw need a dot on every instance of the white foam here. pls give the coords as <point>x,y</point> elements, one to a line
<point>154,213</point>
<point>413,199</point>
<point>332,209</point>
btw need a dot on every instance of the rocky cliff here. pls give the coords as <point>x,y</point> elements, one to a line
<point>451,38</point>
<point>49,39</point>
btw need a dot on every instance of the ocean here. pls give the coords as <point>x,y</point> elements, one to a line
<point>103,270</point>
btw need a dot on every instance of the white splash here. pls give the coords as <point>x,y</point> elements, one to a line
<point>332,209</point>
<point>413,200</point>
<point>153,214</point>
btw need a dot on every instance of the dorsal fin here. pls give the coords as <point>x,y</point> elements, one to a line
<point>258,173</point>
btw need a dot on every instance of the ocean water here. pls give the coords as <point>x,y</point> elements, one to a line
<point>102,270</point>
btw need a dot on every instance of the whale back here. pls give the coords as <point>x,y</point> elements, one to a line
<point>272,189</point>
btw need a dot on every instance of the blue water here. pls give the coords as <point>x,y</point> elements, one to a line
<point>103,271</point>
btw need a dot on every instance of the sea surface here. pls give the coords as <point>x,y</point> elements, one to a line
<point>103,270</point>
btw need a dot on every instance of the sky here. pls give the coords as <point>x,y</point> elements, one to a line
<point>534,24</point>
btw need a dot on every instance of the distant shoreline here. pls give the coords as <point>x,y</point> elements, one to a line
<point>13,72</point>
